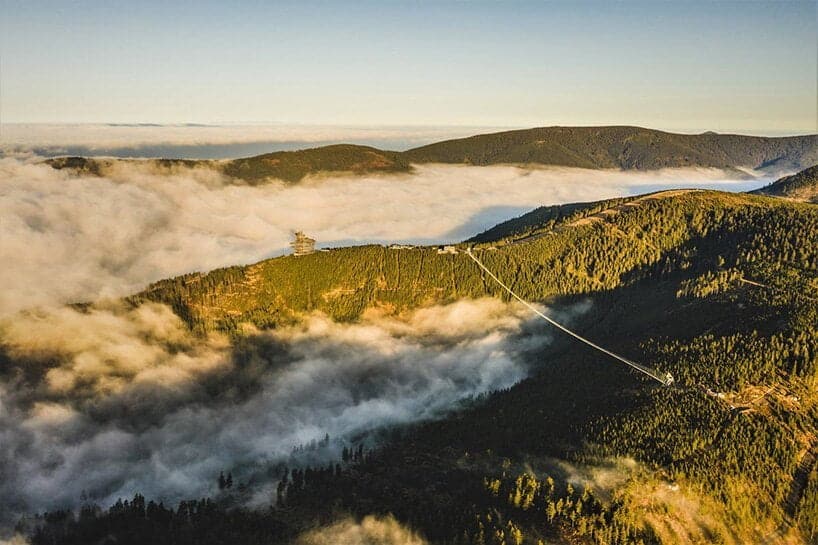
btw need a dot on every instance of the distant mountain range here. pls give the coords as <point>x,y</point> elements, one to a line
<point>625,148</point>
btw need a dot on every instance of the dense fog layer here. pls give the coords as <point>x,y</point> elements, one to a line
<point>115,401</point>
<point>67,238</point>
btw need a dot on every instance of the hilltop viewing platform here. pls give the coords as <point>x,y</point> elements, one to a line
<point>302,245</point>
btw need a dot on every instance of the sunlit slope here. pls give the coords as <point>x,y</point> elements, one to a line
<point>802,186</point>
<point>623,148</point>
<point>591,249</point>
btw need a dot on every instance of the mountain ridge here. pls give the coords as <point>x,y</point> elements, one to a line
<point>624,147</point>
<point>343,283</point>
<point>609,147</point>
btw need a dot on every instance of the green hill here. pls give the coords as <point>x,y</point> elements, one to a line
<point>292,166</point>
<point>802,186</point>
<point>587,248</point>
<point>628,148</point>
<point>719,289</point>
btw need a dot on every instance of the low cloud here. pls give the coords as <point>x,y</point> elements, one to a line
<point>106,350</point>
<point>69,238</point>
<point>127,401</point>
<point>369,531</point>
<point>14,540</point>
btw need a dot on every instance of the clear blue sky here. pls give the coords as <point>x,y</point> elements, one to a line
<point>741,66</point>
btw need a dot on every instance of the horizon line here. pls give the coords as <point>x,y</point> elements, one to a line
<point>501,128</point>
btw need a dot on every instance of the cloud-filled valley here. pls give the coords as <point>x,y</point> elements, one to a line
<point>113,401</point>
<point>109,400</point>
<point>72,238</point>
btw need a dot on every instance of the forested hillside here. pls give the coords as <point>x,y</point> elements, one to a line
<point>802,186</point>
<point>719,289</point>
<point>623,148</point>
<point>588,248</point>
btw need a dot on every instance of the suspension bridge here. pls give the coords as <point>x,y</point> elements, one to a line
<point>665,378</point>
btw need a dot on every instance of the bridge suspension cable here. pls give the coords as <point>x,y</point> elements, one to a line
<point>665,379</point>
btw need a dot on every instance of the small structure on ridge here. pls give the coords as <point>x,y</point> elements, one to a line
<point>302,245</point>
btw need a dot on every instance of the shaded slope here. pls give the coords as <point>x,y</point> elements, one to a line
<point>802,186</point>
<point>628,148</point>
